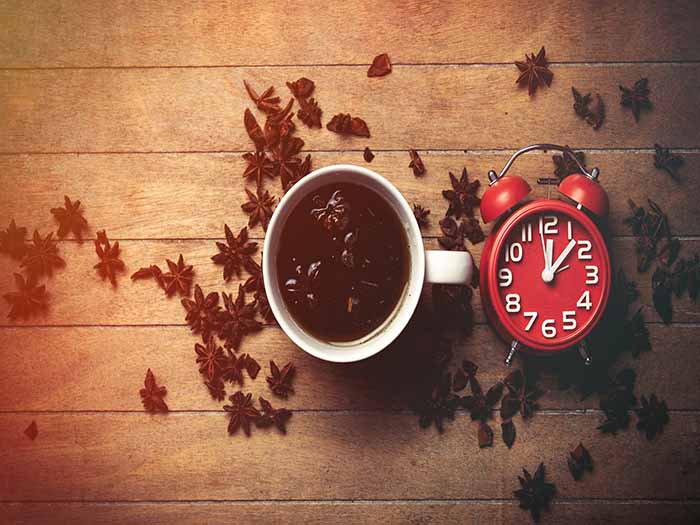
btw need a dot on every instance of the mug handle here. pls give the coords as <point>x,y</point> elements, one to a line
<point>445,267</point>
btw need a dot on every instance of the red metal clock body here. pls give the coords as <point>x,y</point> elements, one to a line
<point>545,267</point>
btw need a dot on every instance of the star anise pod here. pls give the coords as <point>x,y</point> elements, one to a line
<point>579,461</point>
<point>334,214</point>
<point>368,155</point>
<point>653,416</point>
<point>637,334</point>
<point>70,219</point>
<point>564,165</point>
<point>618,401</point>
<point>32,431</point>
<point>254,130</point>
<point>237,319</point>
<point>12,241</point>
<point>42,257</point>
<point>210,358</point>
<point>416,163</point>
<point>216,388</point>
<point>273,416</point>
<point>152,395</point>
<point>279,125</point>
<point>202,313</point>
<point>479,406</point>
<point>148,272</point>
<point>462,197</point>
<point>435,402</point>
<point>309,112</point>
<point>593,116</point>
<point>259,208</point>
<point>345,124</point>
<point>255,280</point>
<point>302,88</point>
<point>286,158</point>
<point>251,365</point>
<point>471,229</point>
<point>301,171</point>
<point>265,101</point>
<point>28,299</point>
<point>280,381</point>
<point>259,166</point>
<point>508,433</point>
<point>535,493</point>
<point>233,254</point>
<point>381,66</point>
<point>666,161</point>
<point>232,370</point>
<point>421,215</point>
<point>110,262</point>
<point>452,235</point>
<point>636,98</point>
<point>179,278</point>
<point>521,396</point>
<point>534,72</point>
<point>242,413</point>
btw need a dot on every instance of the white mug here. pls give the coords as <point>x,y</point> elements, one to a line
<point>443,267</point>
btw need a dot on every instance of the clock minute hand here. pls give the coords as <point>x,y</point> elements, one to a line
<point>563,255</point>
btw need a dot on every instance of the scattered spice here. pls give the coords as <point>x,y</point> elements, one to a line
<point>70,219</point>
<point>251,365</point>
<point>309,112</point>
<point>32,431</point>
<point>27,300</point>
<point>452,235</point>
<point>12,241</point>
<point>508,433</point>
<point>234,253</point>
<point>203,314</point>
<point>381,66</point>
<point>593,116</point>
<point>265,102</point>
<point>416,163</point>
<point>237,320</point>
<point>109,261</point>
<point>579,461</point>
<point>259,166</point>
<point>242,413</point>
<point>302,88</point>
<point>535,493</point>
<point>254,130</point>
<point>273,416</point>
<point>534,72</point>
<point>280,381</point>
<point>345,124</point>
<point>148,272</point>
<point>564,165</point>
<point>521,396</point>
<point>480,405</point>
<point>368,155</point>
<point>618,401</point>
<point>152,395</point>
<point>210,358</point>
<point>259,207</point>
<point>42,257</point>
<point>462,197</point>
<point>636,98</point>
<point>179,278</point>
<point>653,416</point>
<point>421,215</point>
<point>664,160</point>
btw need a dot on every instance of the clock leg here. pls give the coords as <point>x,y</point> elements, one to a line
<point>583,352</point>
<point>514,347</point>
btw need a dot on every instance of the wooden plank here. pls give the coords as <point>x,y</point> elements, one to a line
<point>195,193</point>
<point>136,303</point>
<point>563,512</point>
<point>431,107</point>
<point>131,457</point>
<point>126,33</point>
<point>103,369</point>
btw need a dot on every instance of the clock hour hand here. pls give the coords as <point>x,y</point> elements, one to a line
<point>563,255</point>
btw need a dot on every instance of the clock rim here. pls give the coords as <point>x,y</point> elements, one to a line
<point>498,239</point>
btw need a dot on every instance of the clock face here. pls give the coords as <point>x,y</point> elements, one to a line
<point>551,276</point>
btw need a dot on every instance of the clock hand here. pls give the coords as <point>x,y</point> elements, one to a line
<point>550,253</point>
<point>563,255</point>
<point>562,268</point>
<point>544,250</point>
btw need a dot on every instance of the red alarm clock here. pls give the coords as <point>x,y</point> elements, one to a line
<point>545,268</point>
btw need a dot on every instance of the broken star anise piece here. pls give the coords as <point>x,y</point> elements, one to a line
<point>152,395</point>
<point>421,215</point>
<point>254,130</point>
<point>508,433</point>
<point>179,278</point>
<point>259,207</point>
<point>345,124</point>
<point>110,262</point>
<point>436,402</point>
<point>653,416</point>
<point>636,98</point>
<point>265,101</point>
<point>237,319</point>
<point>471,229</point>
<point>273,416</point>
<point>251,365</point>
<point>579,461</point>
<point>287,162</point>
<point>216,388</point>
<point>70,219</point>
<point>462,197</point>
<point>564,165</point>
<point>203,313</point>
<point>617,402</point>
<point>521,396</point>
<point>148,272</point>
<point>210,358</point>
<point>42,257</point>
<point>242,413</point>
<point>12,241</point>
<point>280,381</point>
<point>32,431</point>
<point>666,161</point>
<point>534,72</point>
<point>259,166</point>
<point>302,88</point>
<point>309,112</point>
<point>27,300</point>
<point>334,214</point>
<point>452,235</point>
<point>416,163</point>
<point>368,155</point>
<point>535,493</point>
<point>594,115</point>
<point>234,253</point>
<point>381,66</point>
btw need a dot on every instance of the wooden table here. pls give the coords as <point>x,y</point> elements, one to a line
<point>136,109</point>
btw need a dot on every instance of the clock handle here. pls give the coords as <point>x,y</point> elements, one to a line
<point>443,267</point>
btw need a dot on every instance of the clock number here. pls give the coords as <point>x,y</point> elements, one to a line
<point>505,277</point>
<point>512,303</point>
<point>591,274</point>
<point>584,251</point>
<point>514,252</point>
<point>550,225</point>
<point>570,232</point>
<point>569,319</point>
<point>533,317</point>
<point>585,301</point>
<point>548,328</point>
<point>526,232</point>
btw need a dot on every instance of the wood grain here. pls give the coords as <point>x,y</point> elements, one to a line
<point>194,194</point>
<point>91,369</point>
<point>162,33</point>
<point>322,513</point>
<point>136,457</point>
<point>430,107</point>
